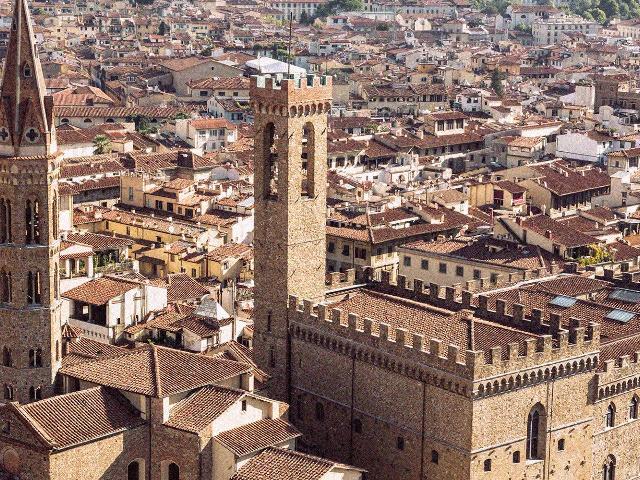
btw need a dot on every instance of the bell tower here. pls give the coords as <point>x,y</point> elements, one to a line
<point>30,315</point>
<point>290,122</point>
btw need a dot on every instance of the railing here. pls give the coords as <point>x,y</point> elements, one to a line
<point>114,267</point>
<point>93,331</point>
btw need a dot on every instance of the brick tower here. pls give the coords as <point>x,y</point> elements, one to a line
<point>290,195</point>
<point>29,246</point>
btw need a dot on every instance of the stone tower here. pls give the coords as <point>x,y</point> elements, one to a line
<point>290,209</point>
<point>29,246</point>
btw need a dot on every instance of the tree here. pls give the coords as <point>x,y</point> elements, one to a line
<point>206,52</point>
<point>163,29</point>
<point>382,27</point>
<point>598,15</point>
<point>611,8</point>
<point>101,144</point>
<point>305,18</point>
<point>496,82</point>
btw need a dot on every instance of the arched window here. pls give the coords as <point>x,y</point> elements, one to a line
<point>36,221</point>
<point>535,428</point>
<point>35,357</point>
<point>633,408</point>
<point>174,472</point>
<point>28,222</point>
<point>133,470</point>
<point>57,350</point>
<point>34,294</point>
<point>7,359</point>
<point>270,155</point>
<point>54,216</point>
<point>609,468</point>
<point>56,282</point>
<point>319,412</point>
<point>308,161</point>
<point>3,221</point>
<point>5,286</point>
<point>610,416</point>
<point>35,393</point>
<point>9,393</point>
<point>7,218</point>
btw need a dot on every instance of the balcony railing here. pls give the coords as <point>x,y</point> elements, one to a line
<point>114,267</point>
<point>93,331</point>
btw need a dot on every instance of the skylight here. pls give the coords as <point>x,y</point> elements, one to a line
<point>625,295</point>
<point>620,315</point>
<point>563,301</point>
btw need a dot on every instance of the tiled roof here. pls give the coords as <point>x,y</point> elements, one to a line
<point>156,371</point>
<point>99,242</point>
<point>119,112</point>
<point>562,180</point>
<point>257,435</point>
<point>79,417</point>
<point>449,327</point>
<point>181,286</point>
<point>197,411</point>
<point>230,250</point>
<point>99,291</point>
<point>493,252</point>
<point>282,464</point>
<point>153,223</point>
<point>560,233</point>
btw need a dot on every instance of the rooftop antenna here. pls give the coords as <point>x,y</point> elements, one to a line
<point>289,46</point>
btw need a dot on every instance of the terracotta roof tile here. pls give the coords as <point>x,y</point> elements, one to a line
<point>156,371</point>
<point>257,436</point>
<point>197,411</point>
<point>282,464</point>
<point>79,417</point>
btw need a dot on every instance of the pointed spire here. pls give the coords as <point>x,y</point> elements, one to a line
<point>26,115</point>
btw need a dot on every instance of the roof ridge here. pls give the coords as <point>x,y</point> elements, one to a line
<point>156,370</point>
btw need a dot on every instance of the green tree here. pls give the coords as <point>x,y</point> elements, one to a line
<point>101,144</point>
<point>611,8</point>
<point>598,15</point>
<point>206,52</point>
<point>163,29</point>
<point>496,82</point>
<point>382,27</point>
<point>305,18</point>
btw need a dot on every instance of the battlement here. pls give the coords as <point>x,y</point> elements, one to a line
<point>292,96</point>
<point>335,280</point>
<point>572,351</point>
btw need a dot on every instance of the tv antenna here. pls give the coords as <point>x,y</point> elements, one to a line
<point>289,46</point>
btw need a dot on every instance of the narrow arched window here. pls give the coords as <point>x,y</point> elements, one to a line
<point>7,359</point>
<point>133,470</point>
<point>8,392</point>
<point>319,412</point>
<point>56,282</point>
<point>610,416</point>
<point>5,286</point>
<point>28,222</point>
<point>174,472</point>
<point>38,358</point>
<point>3,221</point>
<point>54,216</point>
<point>534,428</point>
<point>609,468</point>
<point>35,393</point>
<point>7,217</point>
<point>633,408</point>
<point>36,221</point>
<point>270,157</point>
<point>308,161</point>
<point>30,293</point>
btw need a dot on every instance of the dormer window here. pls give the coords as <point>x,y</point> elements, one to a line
<point>27,71</point>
